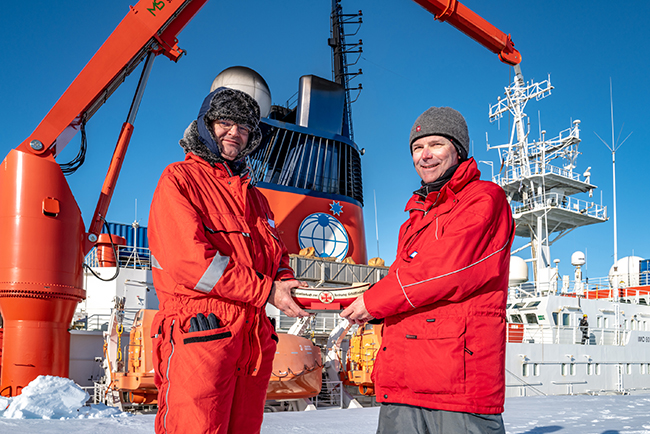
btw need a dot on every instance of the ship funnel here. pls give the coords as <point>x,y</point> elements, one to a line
<point>320,104</point>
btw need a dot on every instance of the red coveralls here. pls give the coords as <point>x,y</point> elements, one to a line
<point>216,250</point>
<point>444,300</point>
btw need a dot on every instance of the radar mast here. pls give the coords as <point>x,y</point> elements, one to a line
<point>540,180</point>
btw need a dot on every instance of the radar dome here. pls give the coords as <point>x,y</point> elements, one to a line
<point>518,271</point>
<point>625,272</point>
<point>246,80</point>
<point>578,259</point>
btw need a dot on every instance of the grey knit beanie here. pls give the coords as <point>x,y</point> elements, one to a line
<point>446,122</point>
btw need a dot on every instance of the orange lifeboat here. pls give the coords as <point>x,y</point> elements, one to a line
<point>297,369</point>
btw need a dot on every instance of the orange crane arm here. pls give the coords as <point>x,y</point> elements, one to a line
<point>474,26</point>
<point>150,25</point>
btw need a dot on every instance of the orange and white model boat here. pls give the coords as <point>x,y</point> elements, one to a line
<point>335,298</point>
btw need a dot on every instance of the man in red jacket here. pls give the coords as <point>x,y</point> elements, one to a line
<point>441,366</point>
<point>217,260</point>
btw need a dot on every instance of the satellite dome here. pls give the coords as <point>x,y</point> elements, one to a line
<point>578,259</point>
<point>625,272</point>
<point>246,80</point>
<point>518,271</point>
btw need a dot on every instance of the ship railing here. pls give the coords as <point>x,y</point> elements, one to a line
<point>96,393</point>
<point>331,394</point>
<point>93,322</point>
<point>544,334</point>
<point>634,289</point>
<point>100,321</point>
<point>524,386</point>
<point>127,257</point>
<point>555,200</point>
<point>549,149</point>
<point>569,385</point>
<point>534,168</point>
<point>322,323</point>
<point>323,271</point>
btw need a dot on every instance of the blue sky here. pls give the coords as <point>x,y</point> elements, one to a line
<point>410,62</point>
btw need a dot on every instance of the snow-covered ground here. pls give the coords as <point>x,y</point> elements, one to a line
<point>51,405</point>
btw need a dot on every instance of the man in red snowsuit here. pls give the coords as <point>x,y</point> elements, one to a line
<point>441,366</point>
<point>217,260</point>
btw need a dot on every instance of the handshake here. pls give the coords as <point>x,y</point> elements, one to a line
<point>200,323</point>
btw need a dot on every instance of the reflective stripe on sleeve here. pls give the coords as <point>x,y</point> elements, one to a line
<point>155,263</point>
<point>213,273</point>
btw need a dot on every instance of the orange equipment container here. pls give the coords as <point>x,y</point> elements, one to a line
<point>41,276</point>
<point>105,255</point>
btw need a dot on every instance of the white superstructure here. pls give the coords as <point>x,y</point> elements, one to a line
<point>544,353</point>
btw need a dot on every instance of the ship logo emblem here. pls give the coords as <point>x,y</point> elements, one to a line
<point>326,297</point>
<point>325,234</point>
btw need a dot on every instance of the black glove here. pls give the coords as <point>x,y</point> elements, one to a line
<point>201,323</point>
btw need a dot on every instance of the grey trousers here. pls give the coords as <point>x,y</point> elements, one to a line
<point>407,419</point>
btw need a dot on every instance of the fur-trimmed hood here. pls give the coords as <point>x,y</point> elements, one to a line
<point>228,104</point>
<point>191,143</point>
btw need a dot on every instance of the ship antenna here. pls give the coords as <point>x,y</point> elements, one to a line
<point>613,148</point>
<point>340,50</point>
<point>376,225</point>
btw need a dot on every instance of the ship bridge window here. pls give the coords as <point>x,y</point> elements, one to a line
<point>516,319</point>
<point>508,305</point>
<point>532,304</point>
<point>531,318</point>
<point>518,305</point>
<point>298,159</point>
<point>643,301</point>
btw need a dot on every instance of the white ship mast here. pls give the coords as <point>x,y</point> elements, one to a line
<point>540,193</point>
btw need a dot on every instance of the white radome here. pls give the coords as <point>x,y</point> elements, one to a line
<point>518,271</point>
<point>578,259</point>
<point>246,80</point>
<point>625,272</point>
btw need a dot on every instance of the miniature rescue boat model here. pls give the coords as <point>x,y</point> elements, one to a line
<point>338,298</point>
